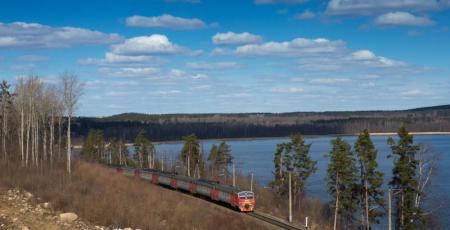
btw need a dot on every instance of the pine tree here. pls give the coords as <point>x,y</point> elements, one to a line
<point>94,146</point>
<point>404,181</point>
<point>220,156</point>
<point>371,194</point>
<point>293,155</point>
<point>141,149</point>
<point>191,155</point>
<point>342,182</point>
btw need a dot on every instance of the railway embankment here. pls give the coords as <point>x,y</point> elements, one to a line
<point>100,198</point>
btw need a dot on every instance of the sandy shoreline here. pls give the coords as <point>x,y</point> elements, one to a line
<point>413,133</point>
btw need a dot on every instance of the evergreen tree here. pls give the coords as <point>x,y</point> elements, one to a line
<point>94,147</point>
<point>141,149</point>
<point>371,193</point>
<point>293,156</point>
<point>220,156</point>
<point>342,182</point>
<point>404,181</point>
<point>191,155</point>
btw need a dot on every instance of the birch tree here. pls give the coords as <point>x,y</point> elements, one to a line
<point>72,91</point>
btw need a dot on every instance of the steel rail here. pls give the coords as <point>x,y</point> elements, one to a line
<point>275,221</point>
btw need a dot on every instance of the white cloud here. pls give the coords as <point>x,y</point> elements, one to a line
<point>359,7</point>
<point>414,93</point>
<point>231,38</point>
<point>32,58</point>
<point>177,73</point>
<point>305,15</point>
<point>363,55</point>
<point>402,19</point>
<point>279,1</point>
<point>164,93</point>
<point>329,81</point>
<point>213,65</point>
<point>130,71</point>
<point>112,59</point>
<point>287,90</point>
<point>368,58</point>
<point>34,35</point>
<point>296,47</point>
<point>155,44</point>
<point>165,21</point>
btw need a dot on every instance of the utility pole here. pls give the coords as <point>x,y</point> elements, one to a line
<point>290,198</point>
<point>251,183</point>
<point>162,164</point>
<point>234,176</point>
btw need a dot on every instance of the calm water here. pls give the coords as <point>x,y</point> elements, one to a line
<point>257,156</point>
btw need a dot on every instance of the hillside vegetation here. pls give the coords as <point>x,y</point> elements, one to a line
<point>246,125</point>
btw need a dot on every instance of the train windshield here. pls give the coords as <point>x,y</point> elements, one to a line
<point>246,195</point>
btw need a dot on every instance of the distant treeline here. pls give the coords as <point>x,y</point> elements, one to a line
<point>247,125</point>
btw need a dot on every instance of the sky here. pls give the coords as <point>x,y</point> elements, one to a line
<point>233,56</point>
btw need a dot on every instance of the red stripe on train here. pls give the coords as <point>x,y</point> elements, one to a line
<point>173,183</point>
<point>192,188</point>
<point>155,179</point>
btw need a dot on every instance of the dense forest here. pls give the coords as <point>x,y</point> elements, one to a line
<point>247,125</point>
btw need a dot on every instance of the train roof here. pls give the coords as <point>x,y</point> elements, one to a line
<point>204,182</point>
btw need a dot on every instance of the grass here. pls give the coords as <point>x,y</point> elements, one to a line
<point>109,199</point>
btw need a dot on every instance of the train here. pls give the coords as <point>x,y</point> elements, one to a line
<point>240,200</point>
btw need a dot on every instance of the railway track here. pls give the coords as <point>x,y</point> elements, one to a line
<point>275,221</point>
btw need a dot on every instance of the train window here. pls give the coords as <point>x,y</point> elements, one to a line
<point>242,196</point>
<point>250,195</point>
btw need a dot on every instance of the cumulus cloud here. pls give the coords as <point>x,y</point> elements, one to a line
<point>231,38</point>
<point>34,35</point>
<point>305,15</point>
<point>363,55</point>
<point>357,7</point>
<point>370,59</point>
<point>402,19</point>
<point>155,44</point>
<point>165,21</point>
<point>279,1</point>
<point>295,47</point>
<point>212,65</point>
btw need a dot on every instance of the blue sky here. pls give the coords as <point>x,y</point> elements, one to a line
<point>192,56</point>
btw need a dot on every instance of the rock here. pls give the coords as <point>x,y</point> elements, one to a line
<point>28,195</point>
<point>68,217</point>
<point>46,205</point>
<point>163,222</point>
<point>127,229</point>
<point>25,228</point>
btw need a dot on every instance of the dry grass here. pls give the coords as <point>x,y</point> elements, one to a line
<point>106,198</point>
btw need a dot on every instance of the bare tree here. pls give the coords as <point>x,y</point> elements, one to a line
<point>72,90</point>
<point>428,160</point>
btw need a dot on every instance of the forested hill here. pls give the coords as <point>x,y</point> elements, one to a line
<point>174,126</point>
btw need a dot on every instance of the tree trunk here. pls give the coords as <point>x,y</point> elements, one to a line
<point>22,134</point>
<point>68,144</point>
<point>336,208</point>
<point>367,204</point>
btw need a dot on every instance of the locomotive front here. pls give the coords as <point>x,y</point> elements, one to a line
<point>246,201</point>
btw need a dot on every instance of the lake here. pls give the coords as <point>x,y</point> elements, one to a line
<point>256,156</point>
